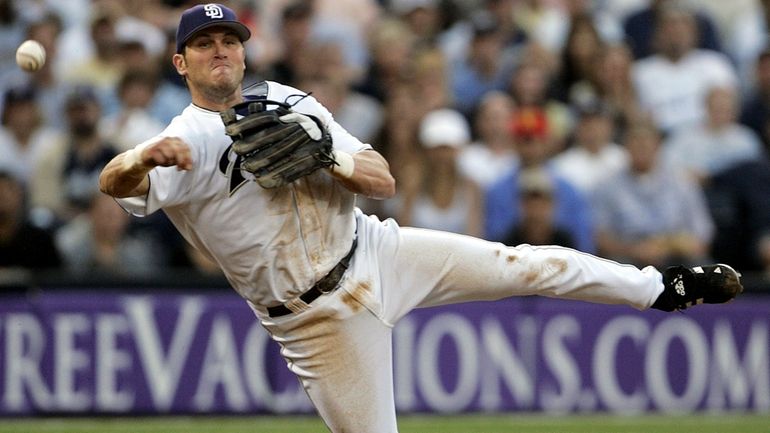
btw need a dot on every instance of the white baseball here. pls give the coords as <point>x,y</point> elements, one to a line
<point>30,56</point>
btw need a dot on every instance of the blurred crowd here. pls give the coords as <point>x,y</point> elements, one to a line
<point>635,129</point>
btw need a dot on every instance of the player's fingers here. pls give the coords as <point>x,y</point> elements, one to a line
<point>183,157</point>
<point>171,151</point>
<point>162,155</point>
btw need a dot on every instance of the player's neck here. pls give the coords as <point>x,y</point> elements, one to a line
<point>215,102</point>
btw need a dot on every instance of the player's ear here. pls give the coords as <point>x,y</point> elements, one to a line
<point>180,64</point>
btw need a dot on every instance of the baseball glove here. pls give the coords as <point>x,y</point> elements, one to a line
<point>278,145</point>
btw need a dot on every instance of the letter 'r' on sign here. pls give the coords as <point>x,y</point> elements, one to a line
<point>213,11</point>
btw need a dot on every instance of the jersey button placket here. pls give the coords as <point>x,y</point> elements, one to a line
<point>311,227</point>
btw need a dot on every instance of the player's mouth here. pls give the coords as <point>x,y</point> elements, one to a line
<point>220,65</point>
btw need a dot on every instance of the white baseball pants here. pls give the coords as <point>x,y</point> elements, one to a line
<point>340,347</point>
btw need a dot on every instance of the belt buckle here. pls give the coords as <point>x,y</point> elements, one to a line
<point>330,281</point>
<point>325,287</point>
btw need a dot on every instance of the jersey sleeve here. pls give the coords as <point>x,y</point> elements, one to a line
<point>307,104</point>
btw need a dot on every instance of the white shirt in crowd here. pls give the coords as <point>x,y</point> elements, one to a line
<point>587,170</point>
<point>674,93</point>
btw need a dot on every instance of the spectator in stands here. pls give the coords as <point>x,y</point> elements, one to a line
<point>422,16</point>
<point>718,143</point>
<point>22,245</point>
<point>105,67</point>
<point>549,23</point>
<point>650,214</point>
<point>672,84</point>
<point>296,23</point>
<point>747,38</point>
<point>503,11</point>
<point>359,114</point>
<point>344,24</point>
<point>66,177</point>
<point>171,96</point>
<point>99,242</point>
<point>398,142</point>
<point>755,112</point>
<point>612,84</point>
<point>493,154</point>
<point>529,86</point>
<point>593,157</point>
<point>578,58</point>
<point>23,134</point>
<point>441,197</point>
<point>640,29</point>
<point>537,225</point>
<point>430,75</point>
<point>502,200</point>
<point>409,99</point>
<point>738,200</point>
<point>132,123</point>
<point>486,66</point>
<point>11,34</point>
<point>391,44</point>
<point>536,18</point>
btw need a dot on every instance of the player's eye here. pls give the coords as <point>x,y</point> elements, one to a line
<point>202,43</point>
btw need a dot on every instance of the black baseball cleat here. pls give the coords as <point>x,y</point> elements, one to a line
<point>685,287</point>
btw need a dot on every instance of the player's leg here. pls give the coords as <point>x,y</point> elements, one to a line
<point>342,355</point>
<point>436,268</point>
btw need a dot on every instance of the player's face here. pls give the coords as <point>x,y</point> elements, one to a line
<point>213,62</point>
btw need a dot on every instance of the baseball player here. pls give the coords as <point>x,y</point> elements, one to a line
<point>263,182</point>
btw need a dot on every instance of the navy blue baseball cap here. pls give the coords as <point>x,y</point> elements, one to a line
<point>202,16</point>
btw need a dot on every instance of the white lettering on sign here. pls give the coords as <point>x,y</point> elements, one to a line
<point>733,380</point>
<point>221,368</point>
<point>112,361</point>
<point>163,370</point>
<point>71,361</point>
<point>656,366</point>
<point>604,364</point>
<point>566,392</point>
<point>25,342</point>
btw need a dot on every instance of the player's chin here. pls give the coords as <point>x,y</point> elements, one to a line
<point>226,82</point>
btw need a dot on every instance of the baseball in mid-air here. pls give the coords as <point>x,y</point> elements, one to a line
<point>30,56</point>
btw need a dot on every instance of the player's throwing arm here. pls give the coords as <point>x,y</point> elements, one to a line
<point>126,175</point>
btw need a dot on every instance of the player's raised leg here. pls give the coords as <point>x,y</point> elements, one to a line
<point>443,268</point>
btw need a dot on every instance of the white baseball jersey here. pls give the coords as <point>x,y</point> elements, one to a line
<point>271,244</point>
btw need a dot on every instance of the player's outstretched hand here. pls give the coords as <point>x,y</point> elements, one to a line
<point>167,152</point>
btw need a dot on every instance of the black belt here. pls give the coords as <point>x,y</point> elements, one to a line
<point>324,285</point>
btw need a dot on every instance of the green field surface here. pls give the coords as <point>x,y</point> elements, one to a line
<point>520,423</point>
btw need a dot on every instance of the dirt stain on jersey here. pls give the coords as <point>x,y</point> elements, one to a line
<point>511,258</point>
<point>549,269</point>
<point>556,266</point>
<point>531,275</point>
<point>360,291</point>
